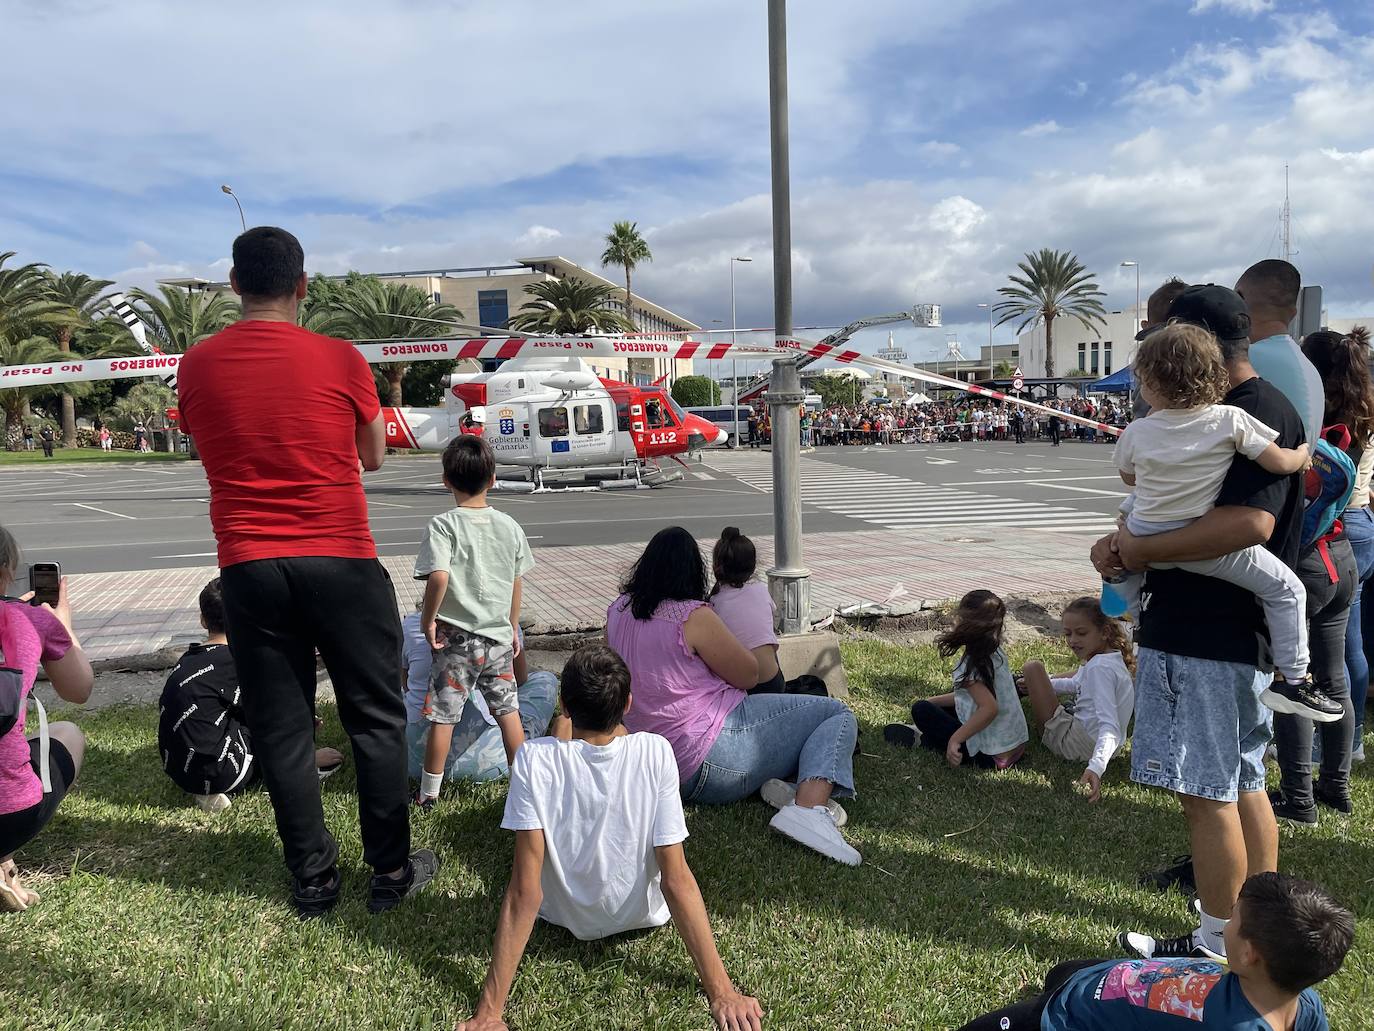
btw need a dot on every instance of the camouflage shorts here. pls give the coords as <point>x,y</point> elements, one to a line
<point>469,662</point>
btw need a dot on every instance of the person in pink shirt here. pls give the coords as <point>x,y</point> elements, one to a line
<point>37,771</point>
<point>691,678</point>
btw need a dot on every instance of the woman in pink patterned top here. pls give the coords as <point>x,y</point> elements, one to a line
<point>690,677</point>
<point>29,636</point>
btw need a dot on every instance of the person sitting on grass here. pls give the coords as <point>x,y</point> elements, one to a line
<point>476,753</point>
<point>745,606</point>
<point>201,737</point>
<point>1091,723</point>
<point>598,842</point>
<point>981,719</point>
<point>36,771</point>
<point>1287,935</point>
<point>471,560</point>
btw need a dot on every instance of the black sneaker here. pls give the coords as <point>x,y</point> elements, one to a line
<point>1337,800</point>
<point>903,735</point>
<point>1286,810</point>
<point>1142,946</point>
<point>1302,699</point>
<point>388,893</point>
<point>423,806</point>
<point>315,900</point>
<point>1177,876</point>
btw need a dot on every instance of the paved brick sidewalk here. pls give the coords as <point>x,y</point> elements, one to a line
<point>124,614</point>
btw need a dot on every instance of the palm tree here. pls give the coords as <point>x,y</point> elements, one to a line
<point>1052,284</point>
<point>25,311</point>
<point>626,248</point>
<point>78,296</point>
<point>569,307</point>
<point>34,350</point>
<point>368,308</point>
<point>178,319</point>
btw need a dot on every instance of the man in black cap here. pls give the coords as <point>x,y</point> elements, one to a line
<point>1201,728</point>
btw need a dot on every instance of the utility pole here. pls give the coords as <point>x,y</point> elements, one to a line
<point>789,580</point>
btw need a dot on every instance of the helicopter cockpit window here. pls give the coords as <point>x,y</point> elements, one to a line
<point>588,419</point>
<point>553,422</point>
<point>657,414</point>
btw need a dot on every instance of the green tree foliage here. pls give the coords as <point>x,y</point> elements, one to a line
<point>1003,370</point>
<point>176,319</point>
<point>27,311</point>
<point>15,401</point>
<point>569,307</point>
<point>79,296</point>
<point>1052,285</point>
<point>147,403</point>
<point>626,248</point>
<point>368,308</point>
<point>838,390</point>
<point>696,391</point>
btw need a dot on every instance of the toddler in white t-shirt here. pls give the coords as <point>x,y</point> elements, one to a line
<point>1177,457</point>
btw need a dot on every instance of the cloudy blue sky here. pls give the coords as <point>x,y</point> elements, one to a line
<point>932,142</point>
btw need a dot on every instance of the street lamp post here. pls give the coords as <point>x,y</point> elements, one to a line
<point>992,351</point>
<point>1135,265</point>
<point>243,222</point>
<point>789,580</point>
<point>734,341</point>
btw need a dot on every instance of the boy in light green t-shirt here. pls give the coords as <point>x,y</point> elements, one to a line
<point>472,559</point>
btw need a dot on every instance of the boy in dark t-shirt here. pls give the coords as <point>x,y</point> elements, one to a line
<point>1267,988</point>
<point>204,746</point>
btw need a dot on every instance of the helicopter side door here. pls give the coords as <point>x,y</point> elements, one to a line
<point>573,431</point>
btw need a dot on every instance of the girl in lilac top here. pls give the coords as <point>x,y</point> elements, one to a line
<point>29,636</point>
<point>689,681</point>
<point>745,606</point>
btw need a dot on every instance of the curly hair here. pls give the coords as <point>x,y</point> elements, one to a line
<point>1182,363</point>
<point>977,630</point>
<point>1111,630</point>
<point>1343,362</point>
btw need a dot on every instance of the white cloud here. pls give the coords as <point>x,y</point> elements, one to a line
<point>537,236</point>
<point>1245,7</point>
<point>1045,128</point>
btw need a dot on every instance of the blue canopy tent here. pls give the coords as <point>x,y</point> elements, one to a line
<point>1119,382</point>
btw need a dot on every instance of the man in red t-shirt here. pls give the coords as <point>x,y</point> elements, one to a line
<point>285,421</point>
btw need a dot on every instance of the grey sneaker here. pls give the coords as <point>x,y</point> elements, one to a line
<point>388,893</point>
<point>779,793</point>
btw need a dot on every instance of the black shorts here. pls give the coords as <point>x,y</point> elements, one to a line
<point>18,829</point>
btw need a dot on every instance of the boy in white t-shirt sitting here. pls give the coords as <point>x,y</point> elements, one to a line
<point>598,848</point>
<point>1176,459</point>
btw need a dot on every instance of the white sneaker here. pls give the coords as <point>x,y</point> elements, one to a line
<point>213,803</point>
<point>817,831</point>
<point>779,793</point>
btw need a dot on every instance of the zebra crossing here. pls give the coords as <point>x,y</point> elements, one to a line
<point>896,503</point>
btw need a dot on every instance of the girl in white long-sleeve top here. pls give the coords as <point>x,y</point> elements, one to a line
<point>1084,716</point>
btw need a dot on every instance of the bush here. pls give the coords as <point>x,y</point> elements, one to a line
<point>696,391</point>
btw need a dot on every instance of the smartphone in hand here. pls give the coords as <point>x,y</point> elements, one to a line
<point>45,579</point>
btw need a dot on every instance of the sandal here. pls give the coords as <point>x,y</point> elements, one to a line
<point>14,897</point>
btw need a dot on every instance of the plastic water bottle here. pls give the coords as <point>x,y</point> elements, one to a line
<point>1113,601</point>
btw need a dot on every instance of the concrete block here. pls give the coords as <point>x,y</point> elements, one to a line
<point>816,653</point>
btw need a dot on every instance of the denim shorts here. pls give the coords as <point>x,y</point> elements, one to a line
<point>1200,727</point>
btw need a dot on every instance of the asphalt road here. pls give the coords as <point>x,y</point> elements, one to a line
<point>135,517</point>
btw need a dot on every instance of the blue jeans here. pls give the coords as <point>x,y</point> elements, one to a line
<point>476,752</point>
<point>769,736</point>
<point>1200,727</point>
<point>1359,531</point>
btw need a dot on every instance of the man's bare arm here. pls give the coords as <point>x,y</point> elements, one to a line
<point>371,439</point>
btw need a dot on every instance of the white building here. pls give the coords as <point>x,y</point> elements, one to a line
<point>1094,352</point>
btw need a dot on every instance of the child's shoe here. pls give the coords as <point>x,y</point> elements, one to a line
<point>1301,698</point>
<point>424,804</point>
<point>903,735</point>
<point>1010,759</point>
<point>214,803</point>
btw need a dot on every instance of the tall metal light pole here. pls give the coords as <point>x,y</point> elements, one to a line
<point>789,580</point>
<point>734,340</point>
<point>242,221</point>
<point>1135,265</point>
<point>992,351</point>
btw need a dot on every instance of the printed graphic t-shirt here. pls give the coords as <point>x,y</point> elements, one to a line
<point>603,810</point>
<point>274,410</point>
<point>200,734</point>
<point>1163,995</point>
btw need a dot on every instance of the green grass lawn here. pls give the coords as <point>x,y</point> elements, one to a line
<point>86,454</point>
<point>158,916</point>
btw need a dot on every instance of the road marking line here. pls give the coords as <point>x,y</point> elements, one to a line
<point>102,511</point>
<point>1081,490</point>
<point>387,504</point>
<point>193,554</point>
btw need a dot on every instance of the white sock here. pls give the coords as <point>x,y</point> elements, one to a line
<point>430,783</point>
<point>1212,933</point>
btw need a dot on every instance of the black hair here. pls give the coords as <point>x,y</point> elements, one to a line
<point>733,559</point>
<point>1343,364</point>
<point>212,606</point>
<point>670,569</point>
<point>977,630</point>
<point>469,464</point>
<point>1300,931</point>
<point>1271,283</point>
<point>268,262</point>
<point>1157,307</point>
<point>595,688</point>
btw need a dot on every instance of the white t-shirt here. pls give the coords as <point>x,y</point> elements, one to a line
<point>1105,699</point>
<point>603,810</point>
<point>1180,456</point>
